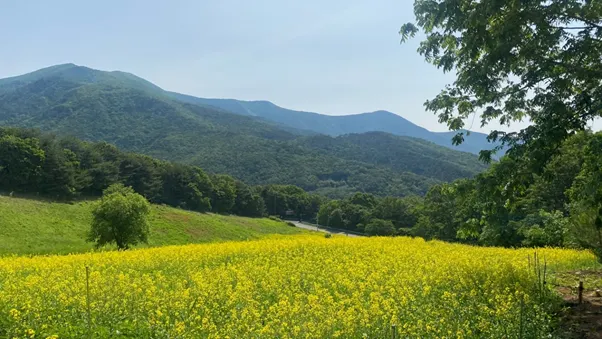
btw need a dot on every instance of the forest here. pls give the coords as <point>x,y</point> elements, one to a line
<point>507,205</point>
<point>44,165</point>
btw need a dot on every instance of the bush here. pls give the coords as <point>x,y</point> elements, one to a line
<point>290,224</point>
<point>327,235</point>
<point>380,227</point>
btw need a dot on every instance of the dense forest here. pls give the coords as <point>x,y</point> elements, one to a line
<point>378,121</point>
<point>507,205</point>
<point>62,168</point>
<point>139,117</point>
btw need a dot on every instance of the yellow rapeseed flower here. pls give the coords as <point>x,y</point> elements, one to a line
<point>296,287</point>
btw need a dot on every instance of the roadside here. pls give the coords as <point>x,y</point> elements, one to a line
<point>314,227</point>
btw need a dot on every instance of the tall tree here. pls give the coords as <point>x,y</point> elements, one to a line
<point>21,162</point>
<point>224,193</point>
<point>539,60</point>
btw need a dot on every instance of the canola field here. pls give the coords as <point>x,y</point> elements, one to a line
<point>288,287</point>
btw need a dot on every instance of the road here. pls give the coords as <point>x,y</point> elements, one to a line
<point>312,227</point>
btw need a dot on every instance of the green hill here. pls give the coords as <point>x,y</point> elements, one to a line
<point>378,121</point>
<point>138,116</point>
<point>43,227</point>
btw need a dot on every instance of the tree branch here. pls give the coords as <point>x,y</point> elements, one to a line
<point>570,28</point>
<point>590,23</point>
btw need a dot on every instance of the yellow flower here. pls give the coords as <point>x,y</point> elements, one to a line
<point>283,287</point>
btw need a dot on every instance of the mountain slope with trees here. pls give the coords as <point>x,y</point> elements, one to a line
<point>378,121</point>
<point>137,116</point>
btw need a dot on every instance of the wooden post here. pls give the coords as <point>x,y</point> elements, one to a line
<point>393,331</point>
<point>580,291</point>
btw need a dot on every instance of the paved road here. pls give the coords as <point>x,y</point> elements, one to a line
<point>331,231</point>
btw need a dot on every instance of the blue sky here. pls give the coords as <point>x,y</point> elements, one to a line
<point>332,57</point>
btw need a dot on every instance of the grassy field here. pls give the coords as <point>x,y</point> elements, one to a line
<point>41,227</point>
<point>292,287</point>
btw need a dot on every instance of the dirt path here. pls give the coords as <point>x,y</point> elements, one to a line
<point>581,321</point>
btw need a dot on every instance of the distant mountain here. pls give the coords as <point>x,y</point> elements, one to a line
<point>138,116</point>
<point>379,121</point>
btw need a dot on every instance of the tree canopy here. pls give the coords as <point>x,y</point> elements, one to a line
<point>120,217</point>
<point>66,168</point>
<point>538,60</point>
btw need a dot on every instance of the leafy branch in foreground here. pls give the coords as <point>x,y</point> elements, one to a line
<point>537,60</point>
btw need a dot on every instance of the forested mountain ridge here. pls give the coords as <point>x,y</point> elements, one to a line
<point>378,121</point>
<point>138,116</point>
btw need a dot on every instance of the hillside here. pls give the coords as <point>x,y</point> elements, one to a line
<point>42,227</point>
<point>379,121</point>
<point>138,116</point>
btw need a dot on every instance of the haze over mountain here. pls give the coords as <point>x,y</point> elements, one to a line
<point>382,121</point>
<point>136,115</point>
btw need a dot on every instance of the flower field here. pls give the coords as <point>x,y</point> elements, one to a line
<point>287,287</point>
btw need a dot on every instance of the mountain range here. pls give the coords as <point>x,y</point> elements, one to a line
<point>257,141</point>
<point>382,121</point>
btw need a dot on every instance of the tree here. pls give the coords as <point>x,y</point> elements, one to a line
<point>335,219</point>
<point>248,201</point>
<point>120,217</point>
<point>380,227</point>
<point>403,212</point>
<point>544,229</point>
<point>186,187</point>
<point>59,170</point>
<point>20,162</point>
<point>224,193</point>
<point>325,211</point>
<point>537,59</point>
<point>586,199</point>
<point>142,174</point>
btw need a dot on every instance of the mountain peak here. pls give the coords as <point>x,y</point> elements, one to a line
<point>82,75</point>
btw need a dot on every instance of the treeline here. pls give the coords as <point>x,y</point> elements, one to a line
<point>511,204</point>
<point>364,212</point>
<point>66,168</point>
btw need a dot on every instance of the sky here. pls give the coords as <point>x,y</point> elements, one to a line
<point>331,57</point>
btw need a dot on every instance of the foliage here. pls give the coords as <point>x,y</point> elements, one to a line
<point>509,205</point>
<point>379,227</point>
<point>356,212</point>
<point>50,166</point>
<point>20,162</point>
<point>224,193</point>
<point>515,60</point>
<point>586,198</point>
<point>543,229</point>
<point>312,123</point>
<point>284,287</point>
<point>248,201</point>
<point>120,217</point>
<point>280,199</point>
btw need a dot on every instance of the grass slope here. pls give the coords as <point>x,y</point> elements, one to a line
<point>40,227</point>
